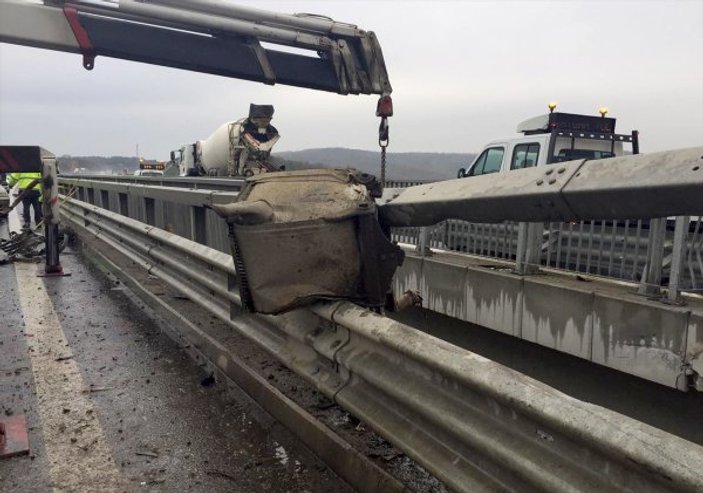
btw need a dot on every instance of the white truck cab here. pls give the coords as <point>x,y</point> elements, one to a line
<point>552,138</point>
<point>150,169</point>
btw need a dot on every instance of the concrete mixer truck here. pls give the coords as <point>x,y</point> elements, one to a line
<point>236,148</point>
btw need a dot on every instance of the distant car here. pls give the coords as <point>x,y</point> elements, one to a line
<point>148,172</point>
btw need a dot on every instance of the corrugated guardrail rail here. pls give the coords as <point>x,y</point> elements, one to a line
<point>189,182</point>
<point>474,424</point>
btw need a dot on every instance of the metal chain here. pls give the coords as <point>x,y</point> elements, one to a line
<point>383,141</point>
<point>383,167</point>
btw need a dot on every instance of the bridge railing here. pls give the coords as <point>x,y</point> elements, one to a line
<point>155,202</point>
<point>656,253</point>
<point>471,422</point>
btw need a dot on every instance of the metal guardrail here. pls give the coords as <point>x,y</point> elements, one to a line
<point>189,182</point>
<point>655,253</point>
<point>182,212</point>
<point>473,423</point>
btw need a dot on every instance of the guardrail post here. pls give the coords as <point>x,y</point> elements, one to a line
<point>529,248</point>
<point>677,256</point>
<point>423,242</point>
<point>50,209</point>
<point>650,283</point>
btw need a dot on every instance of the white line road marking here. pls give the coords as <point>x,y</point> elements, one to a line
<point>78,453</point>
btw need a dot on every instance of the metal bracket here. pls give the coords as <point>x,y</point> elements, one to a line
<point>264,62</point>
<point>81,35</point>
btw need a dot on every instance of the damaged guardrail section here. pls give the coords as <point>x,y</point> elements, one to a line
<point>473,423</point>
<point>626,187</point>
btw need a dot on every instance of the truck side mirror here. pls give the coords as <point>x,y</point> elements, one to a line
<point>461,173</point>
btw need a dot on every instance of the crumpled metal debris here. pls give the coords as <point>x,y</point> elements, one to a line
<point>302,236</point>
<point>25,246</point>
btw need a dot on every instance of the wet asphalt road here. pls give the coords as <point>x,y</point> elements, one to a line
<point>166,427</point>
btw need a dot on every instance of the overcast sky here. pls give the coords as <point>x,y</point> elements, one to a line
<point>463,73</point>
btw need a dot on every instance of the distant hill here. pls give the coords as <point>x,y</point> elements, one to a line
<point>411,166</point>
<point>97,164</point>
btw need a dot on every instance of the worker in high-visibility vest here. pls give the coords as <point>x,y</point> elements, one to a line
<point>29,185</point>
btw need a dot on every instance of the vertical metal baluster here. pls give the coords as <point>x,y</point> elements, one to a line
<point>534,247</point>
<point>590,246</point>
<point>559,237</point>
<point>491,228</point>
<point>494,239</point>
<point>677,254</point>
<point>638,239</point>
<point>696,244</point>
<point>549,242</point>
<point>459,235</point>
<point>521,248</point>
<point>651,277</point>
<point>423,242</point>
<point>448,238</point>
<point>481,237</point>
<point>600,248</point>
<point>489,239</point>
<point>612,248</point>
<point>624,249</point>
<point>579,244</point>
<point>567,256</point>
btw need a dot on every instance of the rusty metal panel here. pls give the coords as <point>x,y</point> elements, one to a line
<point>13,436</point>
<point>639,337</point>
<point>558,316</point>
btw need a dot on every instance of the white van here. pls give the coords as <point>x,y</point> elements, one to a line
<point>553,138</point>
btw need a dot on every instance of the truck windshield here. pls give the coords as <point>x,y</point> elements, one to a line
<point>571,154</point>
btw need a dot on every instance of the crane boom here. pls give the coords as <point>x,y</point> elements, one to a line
<point>207,36</point>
